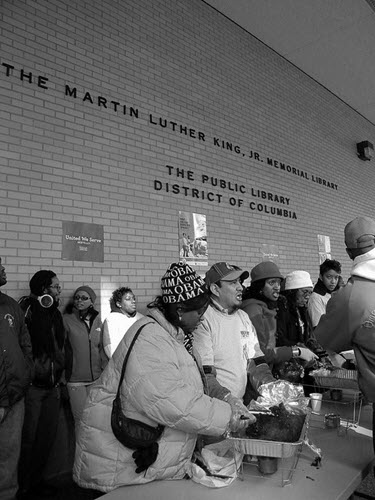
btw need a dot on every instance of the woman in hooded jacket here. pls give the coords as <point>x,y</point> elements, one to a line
<point>163,386</point>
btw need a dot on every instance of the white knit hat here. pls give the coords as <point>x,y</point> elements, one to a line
<point>297,279</point>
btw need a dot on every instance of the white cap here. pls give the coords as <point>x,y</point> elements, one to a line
<point>297,279</point>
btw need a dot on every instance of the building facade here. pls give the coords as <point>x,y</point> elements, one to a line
<point>118,115</point>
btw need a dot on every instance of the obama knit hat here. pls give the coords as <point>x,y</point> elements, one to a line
<point>181,283</point>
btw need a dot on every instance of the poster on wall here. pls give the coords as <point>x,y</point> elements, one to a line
<point>192,237</point>
<point>82,241</point>
<point>324,248</point>
<point>270,252</point>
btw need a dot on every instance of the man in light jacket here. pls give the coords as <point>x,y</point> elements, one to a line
<point>349,322</point>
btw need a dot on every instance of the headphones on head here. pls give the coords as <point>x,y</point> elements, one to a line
<point>45,300</point>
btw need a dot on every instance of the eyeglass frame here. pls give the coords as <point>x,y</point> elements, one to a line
<point>79,297</point>
<point>56,287</point>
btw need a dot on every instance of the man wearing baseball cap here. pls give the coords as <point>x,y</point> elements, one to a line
<point>349,322</point>
<point>226,339</point>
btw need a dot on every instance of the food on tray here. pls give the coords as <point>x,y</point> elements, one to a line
<point>338,378</point>
<point>291,371</point>
<point>335,373</point>
<point>277,425</point>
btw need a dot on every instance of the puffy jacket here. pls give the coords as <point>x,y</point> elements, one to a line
<point>15,352</point>
<point>84,349</point>
<point>162,385</point>
<point>350,321</point>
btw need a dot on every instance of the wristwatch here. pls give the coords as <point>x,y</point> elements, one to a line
<point>296,351</point>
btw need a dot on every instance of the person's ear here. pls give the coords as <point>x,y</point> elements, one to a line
<point>214,289</point>
<point>350,253</point>
<point>118,304</point>
<point>320,277</point>
<point>179,311</point>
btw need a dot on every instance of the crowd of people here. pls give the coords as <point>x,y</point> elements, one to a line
<point>185,371</point>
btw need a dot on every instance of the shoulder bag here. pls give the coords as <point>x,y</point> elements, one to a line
<point>132,433</point>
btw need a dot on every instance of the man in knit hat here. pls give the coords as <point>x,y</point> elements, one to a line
<point>226,339</point>
<point>15,369</point>
<point>349,322</point>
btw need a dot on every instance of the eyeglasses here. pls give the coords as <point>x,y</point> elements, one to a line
<point>81,297</point>
<point>57,287</point>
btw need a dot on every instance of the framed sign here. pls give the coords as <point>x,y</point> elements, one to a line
<point>82,241</point>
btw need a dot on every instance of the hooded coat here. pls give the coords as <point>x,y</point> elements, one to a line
<point>162,385</point>
<point>349,322</point>
<point>264,321</point>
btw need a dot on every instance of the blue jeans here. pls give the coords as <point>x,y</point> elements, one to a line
<point>11,422</point>
<point>42,407</point>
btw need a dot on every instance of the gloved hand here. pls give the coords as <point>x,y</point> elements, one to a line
<point>240,421</point>
<point>144,457</point>
<point>241,417</point>
<point>235,403</point>
<point>307,355</point>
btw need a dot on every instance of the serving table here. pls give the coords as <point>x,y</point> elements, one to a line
<point>347,459</point>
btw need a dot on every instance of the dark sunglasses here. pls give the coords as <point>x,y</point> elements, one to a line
<point>81,297</point>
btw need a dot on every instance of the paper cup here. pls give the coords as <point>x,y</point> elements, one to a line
<point>316,402</point>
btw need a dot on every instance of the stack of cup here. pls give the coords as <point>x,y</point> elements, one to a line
<point>316,402</point>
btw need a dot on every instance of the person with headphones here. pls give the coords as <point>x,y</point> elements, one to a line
<point>42,400</point>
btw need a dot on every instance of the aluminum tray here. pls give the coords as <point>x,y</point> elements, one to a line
<point>340,379</point>
<point>263,448</point>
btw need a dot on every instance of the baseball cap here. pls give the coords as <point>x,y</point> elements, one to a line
<point>360,233</point>
<point>222,271</point>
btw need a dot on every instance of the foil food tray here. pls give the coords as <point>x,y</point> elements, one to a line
<point>264,448</point>
<point>340,379</point>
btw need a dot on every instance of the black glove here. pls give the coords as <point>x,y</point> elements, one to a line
<point>144,457</point>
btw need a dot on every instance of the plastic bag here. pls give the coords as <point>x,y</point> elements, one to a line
<point>216,465</point>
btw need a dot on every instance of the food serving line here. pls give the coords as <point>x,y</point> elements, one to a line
<point>347,456</point>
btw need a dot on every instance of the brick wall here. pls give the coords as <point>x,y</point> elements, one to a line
<point>78,83</point>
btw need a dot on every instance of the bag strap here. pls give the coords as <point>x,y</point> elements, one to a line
<point>127,356</point>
